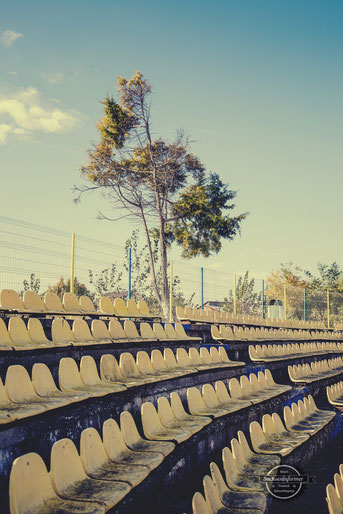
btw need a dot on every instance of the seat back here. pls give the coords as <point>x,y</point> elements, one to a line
<point>42,380</point>
<point>128,366</point>
<point>88,371</point>
<point>165,412</point>
<point>199,505</point>
<point>132,308</point>
<point>129,429</point>
<point>170,331</point>
<point>36,331</point>
<point>159,331</point>
<point>106,306</point>
<point>195,357</point>
<point>176,405</point>
<point>18,385</point>
<point>113,439</point>
<point>146,331</point>
<point>144,364</point>
<point>68,375</point>
<point>92,451</point>
<point>52,302</point>
<point>210,397</point>
<point>70,302</point>
<point>211,495</point>
<point>150,420</point>
<point>131,330</point>
<point>33,302</point>
<point>116,330</point>
<point>86,304</point>
<point>5,339</point>
<point>120,307</point>
<point>61,331</point>
<point>169,359</point>
<point>182,358</point>
<point>18,332</point>
<point>235,389</point>
<point>100,330</point>
<point>66,467</point>
<point>109,368</point>
<point>81,330</point>
<point>30,486</point>
<point>158,361</point>
<point>10,300</point>
<point>143,308</point>
<point>222,392</point>
<point>180,331</point>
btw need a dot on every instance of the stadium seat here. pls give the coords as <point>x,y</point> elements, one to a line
<point>135,442</point>
<point>154,429</point>
<point>132,309</point>
<point>5,341</point>
<point>181,415</point>
<point>86,305</point>
<point>212,401</point>
<point>33,302</point>
<point>144,309</point>
<point>118,334</point>
<point>118,451</point>
<point>111,372</point>
<point>169,420</point>
<point>71,304</point>
<point>172,363</point>
<point>146,368</point>
<point>279,434</point>
<point>261,444</point>
<point>226,400</point>
<point>31,490</point>
<point>20,336</point>
<point>70,380</point>
<point>106,306</point>
<point>182,334</point>
<point>212,497</point>
<point>198,407</point>
<point>71,482</point>
<point>90,377</point>
<point>97,463</point>
<point>10,411</point>
<point>10,300</point>
<point>237,479</point>
<point>37,335</point>
<point>120,308</point>
<point>44,385</point>
<point>147,331</point>
<point>61,332</point>
<point>82,334</point>
<point>100,331</point>
<point>129,370</point>
<point>53,303</point>
<point>160,366</point>
<point>199,505</point>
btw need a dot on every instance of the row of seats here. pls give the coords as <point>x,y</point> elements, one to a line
<point>21,397</point>
<point>227,333</point>
<point>18,336</point>
<point>335,395</point>
<point>275,352</point>
<point>307,373</point>
<point>334,493</point>
<point>214,316</point>
<point>219,401</point>
<point>91,482</point>
<point>70,304</point>
<point>241,489</point>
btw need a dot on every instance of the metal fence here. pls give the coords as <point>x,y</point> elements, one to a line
<point>42,258</point>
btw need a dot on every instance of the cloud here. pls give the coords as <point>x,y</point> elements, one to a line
<point>22,114</point>
<point>14,73</point>
<point>9,37</point>
<point>52,78</point>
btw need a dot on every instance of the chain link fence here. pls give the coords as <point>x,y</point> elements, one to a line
<point>41,258</point>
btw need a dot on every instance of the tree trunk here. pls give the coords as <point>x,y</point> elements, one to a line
<point>164,266</point>
<point>154,281</point>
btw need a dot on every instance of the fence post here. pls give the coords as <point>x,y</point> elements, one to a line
<point>72,263</point>
<point>305,314</point>
<point>171,293</point>
<point>285,300</point>
<point>235,294</point>
<point>262,299</point>
<point>202,288</point>
<point>129,288</point>
<point>328,306</point>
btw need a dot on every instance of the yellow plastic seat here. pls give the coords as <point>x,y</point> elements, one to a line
<point>61,332</point>
<point>243,464</point>
<point>10,300</point>
<point>53,303</point>
<point>100,331</point>
<point>106,306</point>
<point>5,341</point>
<point>20,390</point>
<point>90,377</point>
<point>212,498</point>
<point>131,330</point>
<point>20,337</point>
<point>159,365</point>
<point>37,334</point>
<point>262,445</point>
<point>212,401</point>
<point>199,505</point>
<point>334,502</point>
<point>168,419</point>
<point>132,309</point>
<point>117,450</point>
<point>237,499</point>
<point>226,400</point>
<point>70,379</point>
<point>267,461</point>
<point>237,479</point>
<point>197,405</point>
<point>71,482</point>
<point>144,309</point>
<point>159,332</point>
<point>70,303</point>
<point>170,332</point>
<point>146,369</point>
<point>98,465</point>
<point>280,436</point>
<point>10,411</point>
<point>82,334</point>
<point>86,305</point>
<point>33,302</point>
<point>182,334</point>
<point>146,331</point>
<point>172,363</point>
<point>117,332</point>
<point>31,490</point>
<point>295,423</point>
<point>153,428</point>
<point>110,372</point>
<point>195,359</point>
<point>183,359</point>
<point>224,357</point>
<point>120,308</point>
<point>129,369</point>
<point>181,415</point>
<point>280,428</point>
<point>44,385</point>
<point>135,442</point>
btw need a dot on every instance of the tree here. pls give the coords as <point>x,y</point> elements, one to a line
<point>158,183</point>
<point>248,300</point>
<point>33,284</point>
<point>62,287</point>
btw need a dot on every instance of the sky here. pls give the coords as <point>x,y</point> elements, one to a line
<point>256,85</point>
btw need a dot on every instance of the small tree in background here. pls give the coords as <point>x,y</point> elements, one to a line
<point>248,300</point>
<point>33,284</point>
<point>158,183</point>
<point>62,287</point>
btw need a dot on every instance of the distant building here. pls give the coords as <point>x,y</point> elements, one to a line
<point>214,305</point>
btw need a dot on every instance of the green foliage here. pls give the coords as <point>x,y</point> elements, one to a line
<point>248,300</point>
<point>201,220</point>
<point>33,284</point>
<point>107,281</point>
<point>62,287</point>
<point>116,124</point>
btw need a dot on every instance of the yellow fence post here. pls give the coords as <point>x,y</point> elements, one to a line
<point>235,294</point>
<point>328,306</point>
<point>72,264</point>
<point>171,293</point>
<point>285,300</point>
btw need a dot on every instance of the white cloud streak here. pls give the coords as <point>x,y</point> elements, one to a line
<point>9,37</point>
<point>22,114</point>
